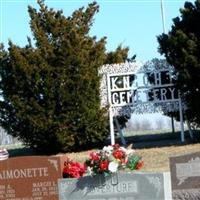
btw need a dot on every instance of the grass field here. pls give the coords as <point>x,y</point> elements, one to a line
<point>155,149</point>
<point>155,159</point>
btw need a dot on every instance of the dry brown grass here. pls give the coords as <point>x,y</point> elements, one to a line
<point>155,159</point>
<point>154,149</point>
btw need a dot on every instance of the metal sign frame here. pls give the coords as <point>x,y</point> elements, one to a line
<point>131,89</point>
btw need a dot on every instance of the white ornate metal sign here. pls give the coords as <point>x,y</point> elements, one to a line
<point>135,88</point>
<point>128,89</point>
<point>138,88</point>
<point>114,69</point>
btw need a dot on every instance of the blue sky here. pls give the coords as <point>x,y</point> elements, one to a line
<point>133,23</point>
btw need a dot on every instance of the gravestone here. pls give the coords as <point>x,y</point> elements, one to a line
<point>120,186</point>
<point>30,178</point>
<point>185,176</point>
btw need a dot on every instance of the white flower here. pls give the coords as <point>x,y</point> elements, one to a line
<point>113,166</point>
<point>108,150</point>
<point>89,171</point>
<point>123,149</point>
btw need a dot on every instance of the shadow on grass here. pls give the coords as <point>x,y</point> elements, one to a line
<point>160,140</point>
<point>22,151</point>
<point>137,141</point>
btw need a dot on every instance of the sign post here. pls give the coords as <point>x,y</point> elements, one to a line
<point>112,134</point>
<point>181,119</point>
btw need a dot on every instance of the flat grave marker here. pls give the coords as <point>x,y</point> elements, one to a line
<point>123,186</point>
<point>30,178</point>
<point>185,176</point>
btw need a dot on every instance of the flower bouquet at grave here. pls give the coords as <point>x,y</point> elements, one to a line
<point>109,160</point>
<point>112,159</point>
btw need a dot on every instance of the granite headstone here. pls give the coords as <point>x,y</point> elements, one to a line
<point>30,178</point>
<point>185,176</point>
<point>120,186</point>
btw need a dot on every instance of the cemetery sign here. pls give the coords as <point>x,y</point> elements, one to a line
<point>141,88</point>
<point>123,91</point>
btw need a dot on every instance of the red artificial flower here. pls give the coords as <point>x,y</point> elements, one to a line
<point>104,165</point>
<point>94,156</point>
<point>73,169</point>
<point>140,164</point>
<point>118,154</point>
<point>116,146</point>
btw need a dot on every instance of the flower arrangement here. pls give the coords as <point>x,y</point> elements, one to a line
<point>109,160</point>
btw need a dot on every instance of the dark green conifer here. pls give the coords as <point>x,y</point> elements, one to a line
<point>181,47</point>
<point>50,89</point>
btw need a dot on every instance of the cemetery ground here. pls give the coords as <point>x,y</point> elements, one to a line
<point>155,149</point>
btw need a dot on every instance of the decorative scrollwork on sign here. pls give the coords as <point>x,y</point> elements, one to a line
<point>156,64</point>
<point>139,88</point>
<point>146,108</point>
<point>120,68</point>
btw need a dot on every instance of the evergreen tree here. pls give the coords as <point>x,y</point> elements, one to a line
<point>181,47</point>
<point>50,89</point>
